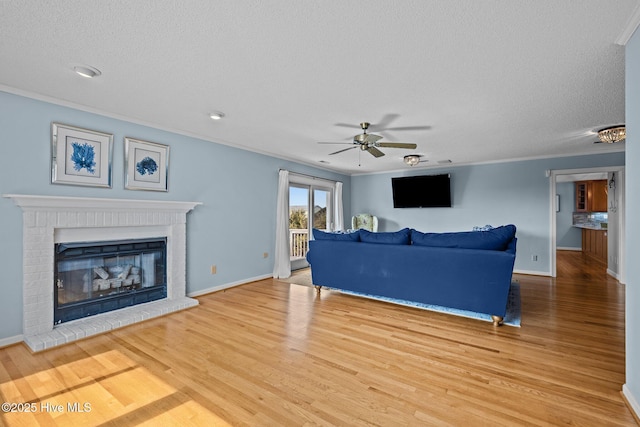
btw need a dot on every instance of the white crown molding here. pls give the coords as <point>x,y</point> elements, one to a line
<point>157,126</point>
<point>310,163</point>
<point>434,167</point>
<point>630,28</point>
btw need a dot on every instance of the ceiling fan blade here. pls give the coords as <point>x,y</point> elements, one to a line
<point>410,146</point>
<point>384,122</point>
<point>375,152</point>
<point>340,151</point>
<point>409,128</point>
<point>324,142</point>
<point>347,125</point>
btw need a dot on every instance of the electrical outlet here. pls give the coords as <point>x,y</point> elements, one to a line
<point>534,257</point>
<point>265,255</point>
<point>214,269</point>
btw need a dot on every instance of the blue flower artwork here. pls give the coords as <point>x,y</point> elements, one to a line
<point>83,157</point>
<point>147,166</point>
<point>80,156</point>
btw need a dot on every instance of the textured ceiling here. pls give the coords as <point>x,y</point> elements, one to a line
<point>489,80</point>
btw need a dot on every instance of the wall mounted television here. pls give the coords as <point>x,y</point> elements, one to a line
<point>424,191</point>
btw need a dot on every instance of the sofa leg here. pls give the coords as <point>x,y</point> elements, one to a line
<point>318,288</point>
<point>497,320</point>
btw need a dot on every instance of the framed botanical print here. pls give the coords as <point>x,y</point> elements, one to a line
<point>80,156</point>
<point>146,165</point>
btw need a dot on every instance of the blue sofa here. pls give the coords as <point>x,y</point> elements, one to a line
<point>465,270</point>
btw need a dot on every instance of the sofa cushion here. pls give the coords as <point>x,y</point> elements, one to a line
<point>345,237</point>
<point>496,239</point>
<point>402,237</point>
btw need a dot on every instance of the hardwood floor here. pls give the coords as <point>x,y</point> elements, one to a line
<point>271,353</point>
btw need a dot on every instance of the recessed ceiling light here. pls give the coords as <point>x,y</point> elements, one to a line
<point>216,115</point>
<point>86,71</point>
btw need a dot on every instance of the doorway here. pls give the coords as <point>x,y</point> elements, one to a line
<point>615,211</point>
<point>310,206</point>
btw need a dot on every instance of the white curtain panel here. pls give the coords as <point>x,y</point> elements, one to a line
<point>282,260</point>
<point>338,223</point>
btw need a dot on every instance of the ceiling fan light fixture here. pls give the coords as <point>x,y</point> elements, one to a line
<point>612,134</point>
<point>86,71</point>
<point>412,159</point>
<point>216,115</point>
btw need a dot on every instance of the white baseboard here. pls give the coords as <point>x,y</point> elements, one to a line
<point>532,272</point>
<point>631,401</point>
<point>568,248</point>
<point>11,340</point>
<point>228,285</point>
<point>613,274</point>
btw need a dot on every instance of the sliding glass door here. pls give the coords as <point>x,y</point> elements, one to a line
<point>299,197</point>
<point>310,206</point>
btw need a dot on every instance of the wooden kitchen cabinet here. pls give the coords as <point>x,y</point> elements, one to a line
<point>581,196</point>
<point>594,244</point>
<point>591,196</point>
<point>597,201</point>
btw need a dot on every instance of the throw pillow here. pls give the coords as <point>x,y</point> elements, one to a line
<point>341,237</point>
<point>402,237</point>
<point>485,228</point>
<point>496,239</point>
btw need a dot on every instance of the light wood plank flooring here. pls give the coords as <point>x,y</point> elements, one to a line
<point>271,353</point>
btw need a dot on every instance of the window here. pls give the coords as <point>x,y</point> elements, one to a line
<point>310,206</point>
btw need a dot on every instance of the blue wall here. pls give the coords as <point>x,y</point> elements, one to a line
<point>632,386</point>
<point>567,236</point>
<point>500,193</point>
<point>232,229</point>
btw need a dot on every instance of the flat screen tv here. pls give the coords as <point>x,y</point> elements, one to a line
<point>424,191</point>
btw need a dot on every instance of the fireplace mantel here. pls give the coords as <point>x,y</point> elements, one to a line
<point>47,218</point>
<point>31,202</point>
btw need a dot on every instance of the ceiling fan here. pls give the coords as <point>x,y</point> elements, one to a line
<point>370,142</point>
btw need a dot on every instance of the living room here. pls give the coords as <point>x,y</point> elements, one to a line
<point>234,227</point>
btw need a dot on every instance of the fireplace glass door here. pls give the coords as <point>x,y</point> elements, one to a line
<point>97,277</point>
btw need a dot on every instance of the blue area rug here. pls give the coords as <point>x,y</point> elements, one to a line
<point>512,318</point>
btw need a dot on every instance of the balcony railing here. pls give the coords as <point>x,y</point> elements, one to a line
<point>298,242</point>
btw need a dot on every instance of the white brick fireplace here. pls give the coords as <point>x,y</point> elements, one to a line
<point>48,220</point>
